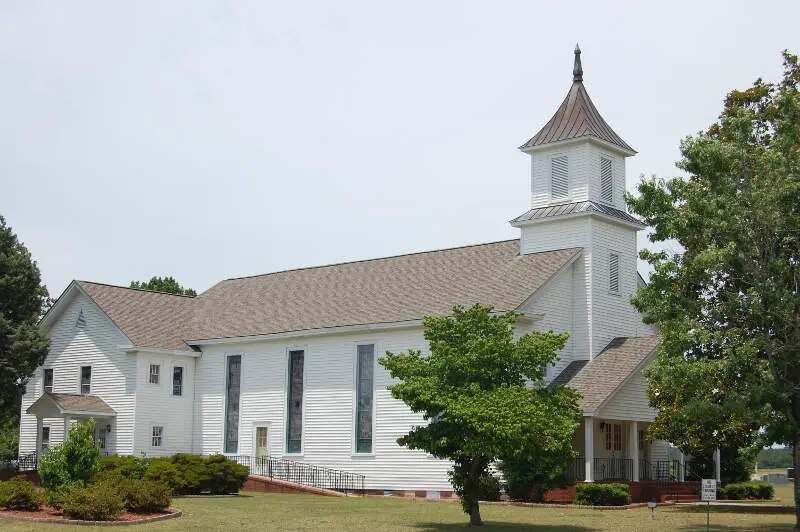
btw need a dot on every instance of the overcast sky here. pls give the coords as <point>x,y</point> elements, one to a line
<point>208,140</point>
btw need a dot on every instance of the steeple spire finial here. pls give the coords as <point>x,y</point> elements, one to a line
<point>577,70</point>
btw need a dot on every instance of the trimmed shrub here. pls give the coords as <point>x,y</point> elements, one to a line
<point>227,476</point>
<point>121,467</point>
<point>56,497</point>
<point>20,494</point>
<point>98,502</point>
<point>144,496</point>
<point>602,494</point>
<point>163,471</point>
<point>182,474</point>
<point>194,473</point>
<point>748,490</point>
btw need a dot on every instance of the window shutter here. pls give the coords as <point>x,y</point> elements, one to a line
<point>613,272</point>
<point>559,186</point>
<point>606,180</point>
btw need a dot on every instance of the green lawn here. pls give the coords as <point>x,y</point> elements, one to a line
<point>256,511</point>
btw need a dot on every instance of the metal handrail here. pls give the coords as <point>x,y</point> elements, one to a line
<point>302,473</point>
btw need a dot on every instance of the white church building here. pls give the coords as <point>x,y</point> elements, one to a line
<point>285,364</point>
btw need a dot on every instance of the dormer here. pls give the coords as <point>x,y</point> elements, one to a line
<point>576,156</point>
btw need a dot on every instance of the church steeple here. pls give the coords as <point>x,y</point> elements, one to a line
<point>577,117</point>
<point>578,201</point>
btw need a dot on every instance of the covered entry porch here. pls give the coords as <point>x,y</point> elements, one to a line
<point>65,409</point>
<point>618,450</point>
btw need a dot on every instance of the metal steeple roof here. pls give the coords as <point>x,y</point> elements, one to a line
<point>576,117</point>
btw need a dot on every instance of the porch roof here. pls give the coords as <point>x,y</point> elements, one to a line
<point>597,380</point>
<point>61,404</point>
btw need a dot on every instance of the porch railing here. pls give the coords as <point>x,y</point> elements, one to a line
<point>576,470</point>
<point>305,474</point>
<point>665,470</point>
<point>613,469</point>
<point>28,462</point>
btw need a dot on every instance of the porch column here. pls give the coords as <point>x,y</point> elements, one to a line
<point>588,447</point>
<point>633,451</point>
<point>682,469</point>
<point>717,465</point>
<point>67,423</point>
<point>38,434</point>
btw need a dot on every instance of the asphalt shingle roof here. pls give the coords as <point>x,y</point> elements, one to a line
<point>393,289</point>
<point>68,402</point>
<point>385,290</point>
<point>599,379</point>
<point>151,319</point>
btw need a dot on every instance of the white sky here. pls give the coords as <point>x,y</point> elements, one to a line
<point>208,140</point>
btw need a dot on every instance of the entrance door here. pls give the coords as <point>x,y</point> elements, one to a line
<point>262,448</point>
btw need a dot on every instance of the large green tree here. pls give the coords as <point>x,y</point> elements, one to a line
<point>163,284</point>
<point>23,347</point>
<point>728,305</point>
<point>483,395</point>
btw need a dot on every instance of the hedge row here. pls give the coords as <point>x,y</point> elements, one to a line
<point>748,490</point>
<point>602,494</point>
<point>183,474</point>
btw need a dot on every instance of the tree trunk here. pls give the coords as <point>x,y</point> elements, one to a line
<point>474,507</point>
<point>475,514</point>
<point>795,462</point>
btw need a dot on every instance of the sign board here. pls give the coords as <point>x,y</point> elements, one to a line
<point>708,490</point>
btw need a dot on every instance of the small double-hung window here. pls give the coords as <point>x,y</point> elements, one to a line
<point>155,373</point>
<point>47,380</point>
<point>158,436</point>
<point>177,380</point>
<point>86,380</point>
<point>45,438</point>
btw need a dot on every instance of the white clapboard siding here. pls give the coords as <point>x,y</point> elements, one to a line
<point>555,302</point>
<point>157,406</point>
<point>612,312</point>
<point>630,401</point>
<point>328,408</point>
<point>113,371</point>
<point>578,171</point>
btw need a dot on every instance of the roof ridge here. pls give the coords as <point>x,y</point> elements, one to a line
<point>370,260</point>
<point>135,289</point>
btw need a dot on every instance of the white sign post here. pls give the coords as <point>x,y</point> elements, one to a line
<point>708,493</point>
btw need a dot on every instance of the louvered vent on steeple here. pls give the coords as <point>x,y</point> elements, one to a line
<point>606,180</point>
<point>613,272</point>
<point>559,185</point>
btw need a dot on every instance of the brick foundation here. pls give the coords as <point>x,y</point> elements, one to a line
<point>643,491</point>
<point>273,485</point>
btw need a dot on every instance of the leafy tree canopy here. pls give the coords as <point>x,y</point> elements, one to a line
<point>483,395</point>
<point>772,458</point>
<point>728,306</point>
<point>163,284</point>
<point>23,346</point>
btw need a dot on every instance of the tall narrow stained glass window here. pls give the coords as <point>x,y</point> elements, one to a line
<point>233,380</point>
<point>364,397</point>
<point>294,421</point>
